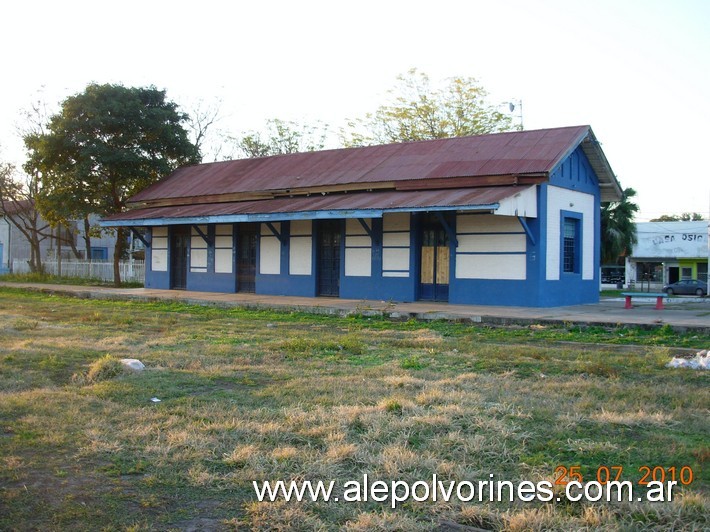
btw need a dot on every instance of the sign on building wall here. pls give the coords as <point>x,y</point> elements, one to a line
<point>676,240</point>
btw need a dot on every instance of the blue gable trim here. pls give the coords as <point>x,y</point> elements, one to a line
<point>576,173</point>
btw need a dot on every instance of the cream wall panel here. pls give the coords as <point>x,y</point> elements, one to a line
<point>198,258</point>
<point>395,239</point>
<point>159,231</point>
<point>223,242</point>
<point>395,259</point>
<point>395,274</point>
<point>159,260</point>
<point>491,243</point>
<point>197,242</point>
<point>269,255</point>
<point>300,255</point>
<point>354,227</point>
<point>359,241</point>
<point>301,227</point>
<point>223,260</point>
<point>159,242</point>
<point>358,262</point>
<point>224,229</point>
<point>265,231</point>
<point>487,223</point>
<point>508,267</point>
<point>397,221</point>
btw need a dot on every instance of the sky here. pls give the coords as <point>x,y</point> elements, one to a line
<point>637,71</point>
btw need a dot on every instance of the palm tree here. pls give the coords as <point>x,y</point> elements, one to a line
<point>618,227</point>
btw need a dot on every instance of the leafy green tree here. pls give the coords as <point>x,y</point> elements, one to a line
<point>281,137</point>
<point>685,217</point>
<point>418,111</point>
<point>618,228</point>
<point>103,146</point>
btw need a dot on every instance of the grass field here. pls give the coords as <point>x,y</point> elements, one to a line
<point>249,395</point>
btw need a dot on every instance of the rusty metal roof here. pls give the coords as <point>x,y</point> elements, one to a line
<point>359,204</point>
<point>512,153</point>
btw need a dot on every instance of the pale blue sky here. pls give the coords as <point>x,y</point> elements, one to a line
<point>637,71</point>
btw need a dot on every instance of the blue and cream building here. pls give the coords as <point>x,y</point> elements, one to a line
<point>501,219</point>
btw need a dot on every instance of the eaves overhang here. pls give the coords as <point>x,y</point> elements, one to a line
<point>290,216</point>
<point>361,205</point>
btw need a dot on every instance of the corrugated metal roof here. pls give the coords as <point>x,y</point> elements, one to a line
<point>512,153</point>
<point>330,205</point>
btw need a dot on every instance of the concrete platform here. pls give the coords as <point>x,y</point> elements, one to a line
<point>681,313</point>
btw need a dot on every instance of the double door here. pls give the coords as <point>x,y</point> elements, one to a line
<point>328,258</point>
<point>247,236</point>
<point>179,244</point>
<point>434,262</point>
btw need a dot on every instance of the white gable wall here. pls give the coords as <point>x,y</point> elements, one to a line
<point>562,199</point>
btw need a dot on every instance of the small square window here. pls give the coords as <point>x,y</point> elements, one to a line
<point>99,253</point>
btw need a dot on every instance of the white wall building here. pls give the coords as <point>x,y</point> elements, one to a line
<point>667,252</point>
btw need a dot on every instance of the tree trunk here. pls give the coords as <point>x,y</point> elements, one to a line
<point>35,255</point>
<point>71,240</point>
<point>87,237</point>
<point>117,252</point>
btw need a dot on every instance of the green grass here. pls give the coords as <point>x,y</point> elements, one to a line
<point>265,395</point>
<point>45,278</point>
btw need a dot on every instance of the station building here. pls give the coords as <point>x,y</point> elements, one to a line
<point>500,219</point>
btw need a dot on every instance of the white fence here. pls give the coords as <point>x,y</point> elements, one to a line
<point>130,270</point>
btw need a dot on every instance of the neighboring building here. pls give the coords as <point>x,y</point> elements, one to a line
<point>14,246</point>
<point>4,245</point>
<point>502,219</point>
<point>667,252</point>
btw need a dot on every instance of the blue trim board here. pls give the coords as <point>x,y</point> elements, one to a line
<point>279,217</point>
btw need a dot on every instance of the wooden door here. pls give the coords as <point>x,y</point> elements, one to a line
<point>179,242</point>
<point>328,258</point>
<point>247,235</point>
<point>434,262</point>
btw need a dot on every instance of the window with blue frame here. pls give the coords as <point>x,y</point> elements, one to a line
<point>99,253</point>
<point>570,246</point>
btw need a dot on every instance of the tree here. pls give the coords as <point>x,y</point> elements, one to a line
<point>418,111</point>
<point>35,121</point>
<point>685,217</point>
<point>618,228</point>
<point>105,145</point>
<point>17,205</point>
<point>281,137</point>
<point>202,118</point>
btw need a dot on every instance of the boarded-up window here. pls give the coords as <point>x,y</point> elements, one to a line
<point>159,249</point>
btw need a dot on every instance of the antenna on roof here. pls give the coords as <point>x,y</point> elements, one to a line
<point>512,105</point>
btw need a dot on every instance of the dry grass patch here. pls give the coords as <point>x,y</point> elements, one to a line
<point>265,396</point>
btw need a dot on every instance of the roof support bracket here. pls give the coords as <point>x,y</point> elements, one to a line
<point>449,230</point>
<point>366,227</point>
<point>140,237</point>
<point>278,235</point>
<point>527,229</point>
<point>207,240</point>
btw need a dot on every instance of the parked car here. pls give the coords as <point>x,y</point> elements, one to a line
<point>687,287</point>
